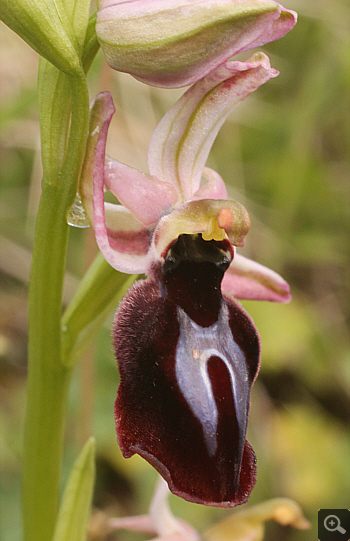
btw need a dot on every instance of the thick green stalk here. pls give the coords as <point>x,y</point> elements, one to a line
<point>48,379</point>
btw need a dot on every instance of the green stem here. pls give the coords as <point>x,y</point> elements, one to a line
<point>48,379</point>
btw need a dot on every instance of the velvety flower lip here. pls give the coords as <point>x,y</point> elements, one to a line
<point>174,43</point>
<point>187,358</point>
<point>187,352</point>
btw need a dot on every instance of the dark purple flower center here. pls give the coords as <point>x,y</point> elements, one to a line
<point>192,275</point>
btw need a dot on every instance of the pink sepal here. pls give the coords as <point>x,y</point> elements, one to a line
<point>182,140</point>
<point>143,524</point>
<point>246,279</point>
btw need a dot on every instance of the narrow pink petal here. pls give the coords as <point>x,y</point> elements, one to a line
<point>246,279</point>
<point>182,140</point>
<point>125,261</point>
<point>214,188</point>
<point>101,113</point>
<point>147,197</point>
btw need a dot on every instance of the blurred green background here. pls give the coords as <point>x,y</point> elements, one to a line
<point>284,154</point>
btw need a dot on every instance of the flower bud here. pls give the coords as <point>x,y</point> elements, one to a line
<point>173,43</point>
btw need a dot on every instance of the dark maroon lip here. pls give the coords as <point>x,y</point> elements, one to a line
<point>187,359</point>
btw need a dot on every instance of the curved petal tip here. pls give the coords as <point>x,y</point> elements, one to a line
<point>248,280</point>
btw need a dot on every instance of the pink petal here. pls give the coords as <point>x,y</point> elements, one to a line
<point>147,197</point>
<point>214,188</point>
<point>182,140</point>
<point>246,279</point>
<point>101,113</point>
<point>124,249</point>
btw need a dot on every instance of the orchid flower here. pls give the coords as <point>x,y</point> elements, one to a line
<point>173,43</point>
<point>188,353</point>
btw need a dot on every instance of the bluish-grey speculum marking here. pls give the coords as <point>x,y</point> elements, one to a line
<point>195,347</point>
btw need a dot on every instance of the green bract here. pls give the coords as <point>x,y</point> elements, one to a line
<point>75,507</point>
<point>45,26</point>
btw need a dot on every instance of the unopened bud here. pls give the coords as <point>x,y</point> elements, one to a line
<point>173,43</point>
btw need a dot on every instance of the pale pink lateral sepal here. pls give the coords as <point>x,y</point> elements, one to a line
<point>123,249</point>
<point>138,523</point>
<point>182,140</point>
<point>144,195</point>
<point>127,237</point>
<point>246,279</point>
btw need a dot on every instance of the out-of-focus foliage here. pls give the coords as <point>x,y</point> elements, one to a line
<point>284,155</point>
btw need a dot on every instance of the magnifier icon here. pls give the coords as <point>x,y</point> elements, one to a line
<point>332,524</point>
